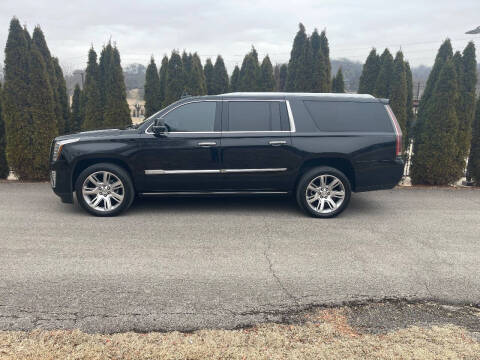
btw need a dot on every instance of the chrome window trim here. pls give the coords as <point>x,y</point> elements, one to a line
<point>208,171</point>
<point>289,111</point>
<point>290,117</point>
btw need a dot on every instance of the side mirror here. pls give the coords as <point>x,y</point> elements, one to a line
<point>159,129</point>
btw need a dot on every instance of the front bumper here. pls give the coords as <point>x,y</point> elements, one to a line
<point>61,181</point>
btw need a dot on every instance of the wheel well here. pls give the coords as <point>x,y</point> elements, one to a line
<point>341,164</point>
<point>83,164</point>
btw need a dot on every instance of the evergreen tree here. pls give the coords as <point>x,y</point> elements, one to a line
<point>445,52</point>
<point>398,92</point>
<point>276,76</point>
<point>76,116</point>
<point>267,82</point>
<point>175,79</point>
<point>4,170</point>
<point>473,171</point>
<point>338,84</point>
<point>466,99</point>
<point>93,109</point>
<point>208,71</point>
<point>197,82</point>
<point>299,77</point>
<point>326,85</point>
<point>250,72</point>
<point>152,89</point>
<point>235,79</point>
<point>435,160</point>
<point>462,143</point>
<point>116,112</point>
<point>384,79</point>
<point>219,77</point>
<point>410,114</point>
<point>42,115</point>
<point>319,70</point>
<point>283,77</point>
<point>369,75</point>
<point>16,103</point>
<point>38,38</point>
<point>187,70</point>
<point>62,97</point>
<point>163,79</point>
<point>104,74</point>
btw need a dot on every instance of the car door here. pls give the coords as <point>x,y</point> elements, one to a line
<point>186,158</point>
<point>256,150</point>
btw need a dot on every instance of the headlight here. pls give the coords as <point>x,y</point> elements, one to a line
<point>57,148</point>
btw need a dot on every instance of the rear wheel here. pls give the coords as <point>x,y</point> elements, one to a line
<point>323,192</point>
<point>104,189</point>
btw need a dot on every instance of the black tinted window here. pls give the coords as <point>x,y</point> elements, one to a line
<point>337,116</point>
<point>254,115</point>
<point>197,116</point>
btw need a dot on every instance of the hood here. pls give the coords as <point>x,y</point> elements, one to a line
<point>96,134</point>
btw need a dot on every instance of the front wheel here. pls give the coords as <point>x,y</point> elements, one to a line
<point>104,189</point>
<point>323,192</point>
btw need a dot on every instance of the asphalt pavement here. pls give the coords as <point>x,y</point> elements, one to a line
<point>190,263</point>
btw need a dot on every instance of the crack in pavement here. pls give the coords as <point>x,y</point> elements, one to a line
<point>268,245</point>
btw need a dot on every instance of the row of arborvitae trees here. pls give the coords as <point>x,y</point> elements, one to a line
<point>308,70</point>
<point>34,104</point>
<point>391,78</point>
<point>443,131</point>
<point>102,103</point>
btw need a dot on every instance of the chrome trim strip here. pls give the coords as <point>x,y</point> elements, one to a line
<point>168,172</point>
<point>290,117</point>
<point>252,170</point>
<point>215,193</point>
<point>221,171</point>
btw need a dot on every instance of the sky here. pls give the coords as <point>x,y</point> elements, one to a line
<point>142,28</point>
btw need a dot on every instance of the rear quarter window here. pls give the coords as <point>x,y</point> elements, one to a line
<point>338,116</point>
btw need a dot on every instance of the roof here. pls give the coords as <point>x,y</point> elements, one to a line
<point>316,96</point>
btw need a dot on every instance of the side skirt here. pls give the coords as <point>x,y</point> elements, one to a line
<point>188,193</point>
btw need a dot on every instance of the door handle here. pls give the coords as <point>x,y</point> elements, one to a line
<point>207,144</point>
<point>277,142</point>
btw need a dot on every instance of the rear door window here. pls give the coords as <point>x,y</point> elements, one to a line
<point>338,116</point>
<point>255,116</point>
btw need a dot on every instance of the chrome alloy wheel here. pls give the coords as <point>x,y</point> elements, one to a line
<point>103,191</point>
<point>325,194</point>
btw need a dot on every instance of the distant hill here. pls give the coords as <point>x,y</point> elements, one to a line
<point>351,72</point>
<point>134,75</point>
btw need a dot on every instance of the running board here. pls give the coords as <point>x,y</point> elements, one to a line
<point>214,193</point>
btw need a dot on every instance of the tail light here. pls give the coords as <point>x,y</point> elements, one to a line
<point>398,132</point>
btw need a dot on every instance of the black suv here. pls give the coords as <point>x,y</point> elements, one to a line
<point>320,147</point>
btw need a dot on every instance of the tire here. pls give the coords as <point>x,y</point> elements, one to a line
<point>102,198</point>
<point>310,198</point>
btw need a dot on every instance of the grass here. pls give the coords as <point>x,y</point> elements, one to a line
<point>325,335</point>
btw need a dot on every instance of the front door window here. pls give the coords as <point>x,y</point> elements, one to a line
<point>192,117</point>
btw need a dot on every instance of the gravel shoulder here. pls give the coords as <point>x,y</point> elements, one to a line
<point>388,330</point>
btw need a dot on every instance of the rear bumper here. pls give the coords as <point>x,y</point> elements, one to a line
<point>60,180</point>
<point>378,175</point>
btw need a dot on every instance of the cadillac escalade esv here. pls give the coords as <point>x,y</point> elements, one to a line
<point>318,147</point>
